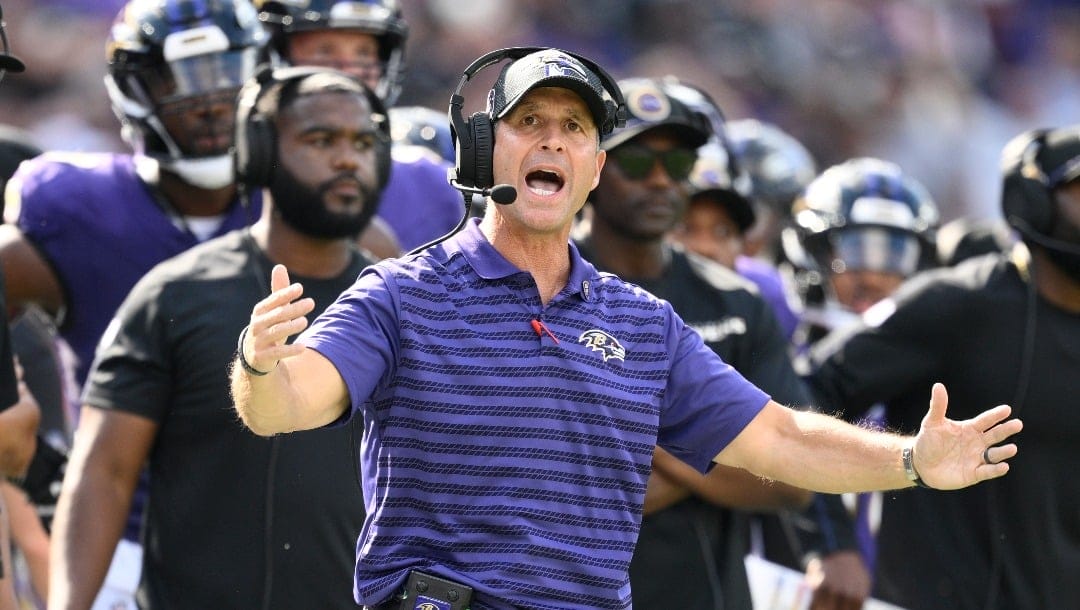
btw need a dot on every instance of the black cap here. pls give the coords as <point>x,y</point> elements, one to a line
<point>650,106</point>
<point>1059,157</point>
<point>548,68</point>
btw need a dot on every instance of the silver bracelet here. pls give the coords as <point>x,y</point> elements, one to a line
<point>908,458</point>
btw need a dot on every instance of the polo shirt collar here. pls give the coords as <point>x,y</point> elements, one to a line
<point>490,265</point>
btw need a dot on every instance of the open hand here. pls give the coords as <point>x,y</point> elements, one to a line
<point>953,454</point>
<point>275,319</point>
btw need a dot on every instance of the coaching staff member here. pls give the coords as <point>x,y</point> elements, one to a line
<point>512,394</point>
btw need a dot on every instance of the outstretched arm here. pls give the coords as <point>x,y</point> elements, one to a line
<point>819,452</point>
<point>298,388</point>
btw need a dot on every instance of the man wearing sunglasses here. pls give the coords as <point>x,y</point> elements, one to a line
<point>691,547</point>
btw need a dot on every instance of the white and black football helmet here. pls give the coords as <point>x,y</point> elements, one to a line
<point>170,56</point>
<point>867,212</point>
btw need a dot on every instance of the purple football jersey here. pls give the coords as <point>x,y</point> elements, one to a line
<point>101,228</point>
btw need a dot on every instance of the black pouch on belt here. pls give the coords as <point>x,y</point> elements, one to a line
<point>425,591</point>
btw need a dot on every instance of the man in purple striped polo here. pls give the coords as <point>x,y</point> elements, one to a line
<point>512,394</point>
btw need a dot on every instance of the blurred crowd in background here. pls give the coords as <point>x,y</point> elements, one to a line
<point>937,87</point>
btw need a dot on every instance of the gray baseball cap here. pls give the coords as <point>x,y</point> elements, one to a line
<point>549,68</point>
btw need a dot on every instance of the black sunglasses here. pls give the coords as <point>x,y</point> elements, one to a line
<point>637,161</point>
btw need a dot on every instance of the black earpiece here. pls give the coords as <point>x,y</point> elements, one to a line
<point>255,144</point>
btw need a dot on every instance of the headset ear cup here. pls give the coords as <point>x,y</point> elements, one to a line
<point>610,110</point>
<point>483,137</point>
<point>1025,196</point>
<point>385,164</point>
<point>383,161</point>
<point>466,155</point>
<point>1037,206</point>
<point>1012,190</point>
<point>1012,199</point>
<point>261,153</point>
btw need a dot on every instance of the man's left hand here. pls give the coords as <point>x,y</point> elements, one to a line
<point>950,454</point>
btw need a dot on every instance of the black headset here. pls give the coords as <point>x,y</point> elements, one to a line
<point>1026,196</point>
<point>1027,193</point>
<point>255,144</point>
<point>474,138</point>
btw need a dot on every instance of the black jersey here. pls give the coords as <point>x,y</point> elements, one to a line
<point>979,329</point>
<point>234,520</point>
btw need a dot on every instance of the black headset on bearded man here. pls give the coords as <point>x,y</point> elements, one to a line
<point>1027,191</point>
<point>474,138</point>
<point>256,142</point>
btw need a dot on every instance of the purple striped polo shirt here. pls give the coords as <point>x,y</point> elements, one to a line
<point>513,456</point>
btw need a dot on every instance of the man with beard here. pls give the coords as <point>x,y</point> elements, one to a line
<point>367,40</point>
<point>234,520</point>
<point>996,328</point>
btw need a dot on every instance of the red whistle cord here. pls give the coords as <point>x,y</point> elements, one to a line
<point>541,330</point>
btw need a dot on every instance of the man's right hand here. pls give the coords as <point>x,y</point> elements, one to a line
<point>308,391</point>
<point>275,319</point>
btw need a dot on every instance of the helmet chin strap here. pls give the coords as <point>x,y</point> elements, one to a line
<point>206,173</point>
